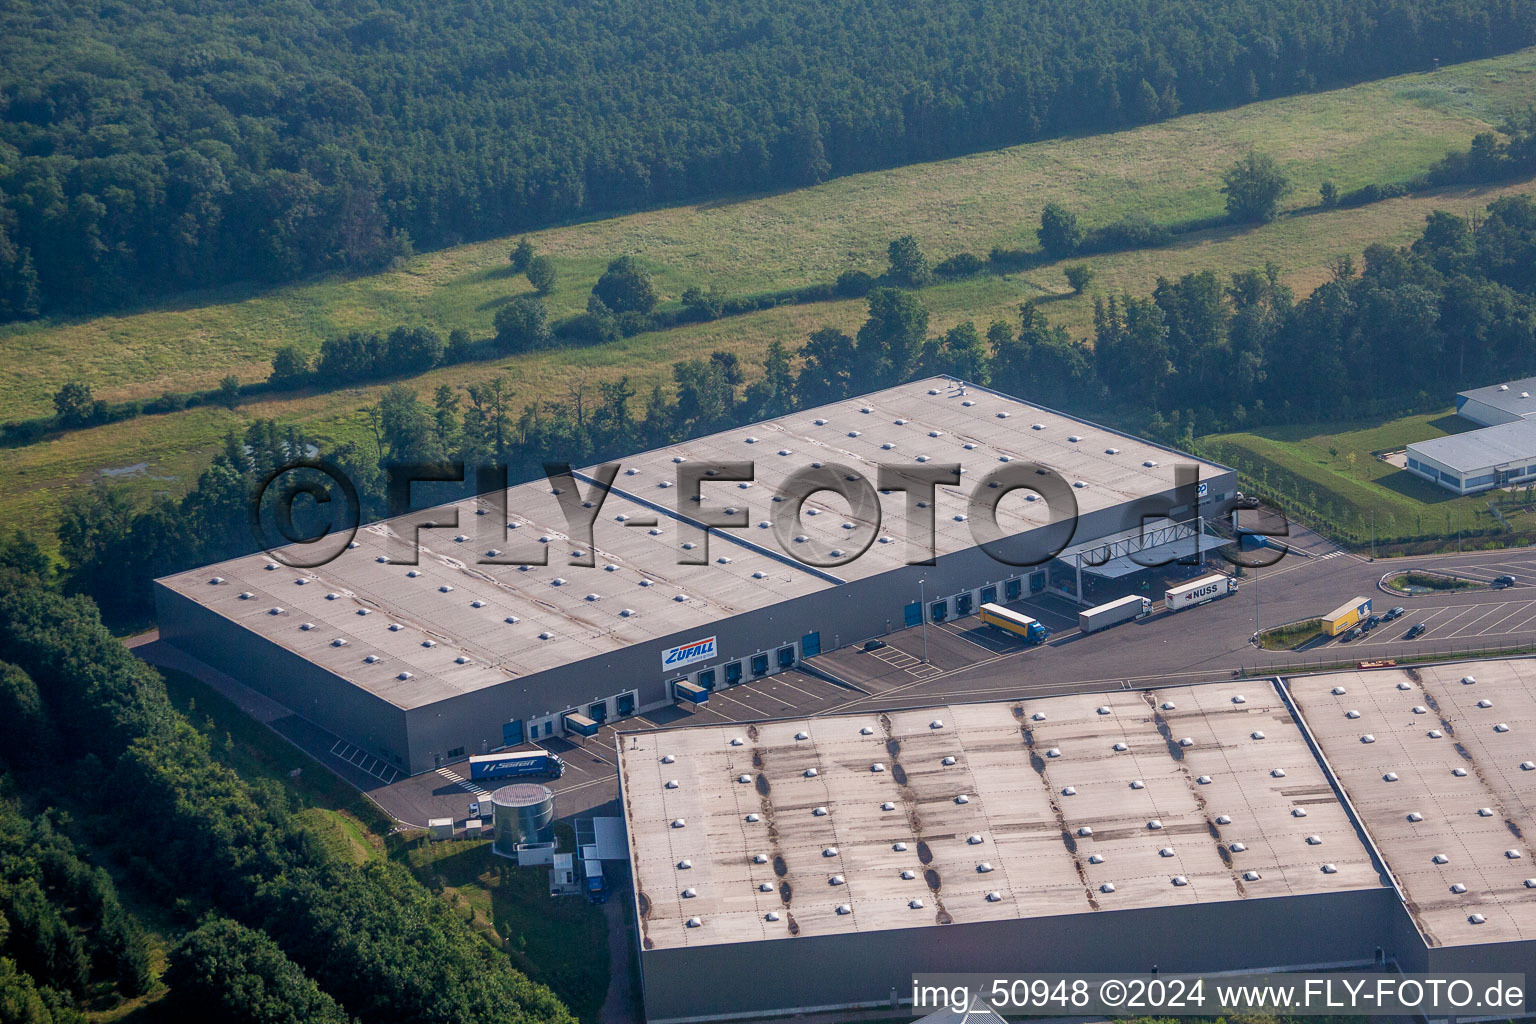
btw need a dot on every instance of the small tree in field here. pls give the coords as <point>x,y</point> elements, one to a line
<point>1059,234</point>
<point>1254,187</point>
<point>908,264</point>
<point>541,274</point>
<point>521,255</point>
<point>1079,276</point>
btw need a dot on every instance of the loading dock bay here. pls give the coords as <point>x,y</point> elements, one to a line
<point>968,661</point>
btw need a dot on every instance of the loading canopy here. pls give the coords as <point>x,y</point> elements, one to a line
<point>1159,542</point>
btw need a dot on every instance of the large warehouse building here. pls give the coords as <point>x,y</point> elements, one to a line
<point>475,648</point>
<point>1438,763</point>
<point>1353,819</point>
<point>1186,829</point>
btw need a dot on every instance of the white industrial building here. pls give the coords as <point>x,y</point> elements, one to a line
<point>1498,403</point>
<point>477,648</point>
<point>1502,454</point>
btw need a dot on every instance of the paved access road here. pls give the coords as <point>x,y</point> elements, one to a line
<point>967,661</point>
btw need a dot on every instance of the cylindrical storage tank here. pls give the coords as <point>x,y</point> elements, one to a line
<point>525,813</point>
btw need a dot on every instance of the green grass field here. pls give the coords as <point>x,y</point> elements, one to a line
<point>1330,474</point>
<point>1375,132</point>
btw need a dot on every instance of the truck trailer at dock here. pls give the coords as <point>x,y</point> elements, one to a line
<point>1113,613</point>
<point>1031,631</point>
<point>1195,592</point>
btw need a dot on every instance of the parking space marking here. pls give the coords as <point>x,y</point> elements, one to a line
<point>463,783</point>
<point>954,629</point>
<point>792,686</point>
<point>1520,606</point>
<point>1528,618</point>
<point>755,711</point>
<point>364,761</point>
<point>894,656</point>
<point>1470,623</point>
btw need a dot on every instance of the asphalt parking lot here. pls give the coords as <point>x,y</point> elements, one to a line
<point>964,660</point>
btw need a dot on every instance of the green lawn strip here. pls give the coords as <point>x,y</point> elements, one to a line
<point>1309,468</point>
<point>343,818</point>
<point>1290,636</point>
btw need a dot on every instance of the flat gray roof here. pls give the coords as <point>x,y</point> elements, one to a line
<point>1506,397</point>
<point>1482,449</point>
<point>452,625</point>
<point>1054,806</point>
<point>1437,761</point>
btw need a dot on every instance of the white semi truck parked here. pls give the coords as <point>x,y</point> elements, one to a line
<point>1113,613</point>
<point>1206,588</point>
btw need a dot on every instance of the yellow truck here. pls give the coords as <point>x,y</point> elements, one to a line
<point>1347,615</point>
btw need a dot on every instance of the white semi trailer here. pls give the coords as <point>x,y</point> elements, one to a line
<point>1113,613</point>
<point>1195,592</point>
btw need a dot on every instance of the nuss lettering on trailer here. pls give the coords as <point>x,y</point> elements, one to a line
<point>687,654</point>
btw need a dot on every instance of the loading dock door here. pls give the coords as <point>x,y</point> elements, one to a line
<point>914,614</point>
<point>786,656</point>
<point>512,733</point>
<point>963,604</point>
<point>1014,589</point>
<point>733,673</point>
<point>989,595</point>
<point>810,645</point>
<point>759,664</point>
<point>707,679</point>
<point>626,704</point>
<point>598,712</point>
<point>938,611</point>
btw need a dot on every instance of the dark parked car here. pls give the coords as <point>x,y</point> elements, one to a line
<point>1372,622</point>
<point>1353,634</point>
<point>873,645</point>
<point>1504,581</point>
<point>1394,612</point>
<point>1417,630</point>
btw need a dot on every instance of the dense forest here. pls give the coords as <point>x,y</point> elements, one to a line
<point>1399,332</point>
<point>157,146</point>
<point>273,928</point>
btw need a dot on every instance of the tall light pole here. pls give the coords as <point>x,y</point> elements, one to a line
<point>922,609</point>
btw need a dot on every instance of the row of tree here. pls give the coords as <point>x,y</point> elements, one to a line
<point>1200,354</point>
<point>159,146</point>
<point>315,938</point>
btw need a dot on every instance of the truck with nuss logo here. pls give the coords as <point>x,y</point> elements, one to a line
<point>1198,592</point>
